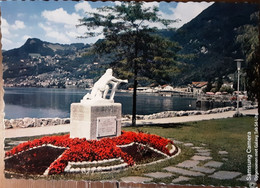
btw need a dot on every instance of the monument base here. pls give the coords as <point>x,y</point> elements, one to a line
<point>95,121</point>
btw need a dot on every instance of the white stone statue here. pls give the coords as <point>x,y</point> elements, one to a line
<point>101,87</point>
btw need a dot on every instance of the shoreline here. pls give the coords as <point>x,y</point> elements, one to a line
<point>26,122</point>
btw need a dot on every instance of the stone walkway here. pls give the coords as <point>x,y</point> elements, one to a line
<point>200,165</point>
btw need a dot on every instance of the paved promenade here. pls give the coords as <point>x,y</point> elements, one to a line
<point>23,132</point>
<point>185,119</point>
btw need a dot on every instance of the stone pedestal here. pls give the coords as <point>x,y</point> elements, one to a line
<point>95,120</point>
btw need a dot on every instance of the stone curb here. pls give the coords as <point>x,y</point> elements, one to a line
<point>167,114</point>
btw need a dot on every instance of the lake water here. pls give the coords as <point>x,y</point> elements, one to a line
<point>50,103</point>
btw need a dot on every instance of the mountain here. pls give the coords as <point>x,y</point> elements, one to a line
<point>211,38</point>
<point>39,63</point>
<point>34,45</point>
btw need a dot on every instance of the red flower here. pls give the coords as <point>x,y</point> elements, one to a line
<point>90,150</point>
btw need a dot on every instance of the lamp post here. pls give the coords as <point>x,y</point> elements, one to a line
<point>238,74</point>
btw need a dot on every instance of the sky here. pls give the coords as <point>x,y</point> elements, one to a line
<point>55,21</point>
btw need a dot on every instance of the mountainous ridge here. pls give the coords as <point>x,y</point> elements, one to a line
<point>35,45</point>
<point>210,37</point>
<point>39,63</point>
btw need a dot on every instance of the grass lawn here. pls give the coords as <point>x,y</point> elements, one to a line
<point>224,134</point>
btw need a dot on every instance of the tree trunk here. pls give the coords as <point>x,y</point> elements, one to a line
<point>258,126</point>
<point>134,103</point>
<point>135,82</point>
<point>258,94</point>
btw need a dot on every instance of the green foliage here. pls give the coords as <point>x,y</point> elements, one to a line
<point>208,88</point>
<point>214,90</point>
<point>216,30</point>
<point>222,134</point>
<point>156,62</point>
<point>248,38</point>
<point>227,89</point>
<point>137,53</point>
<point>219,83</point>
<point>65,58</point>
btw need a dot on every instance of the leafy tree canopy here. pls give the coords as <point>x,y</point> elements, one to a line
<point>136,52</point>
<point>248,38</point>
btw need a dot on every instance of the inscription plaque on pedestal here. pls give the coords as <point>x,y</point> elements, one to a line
<point>95,121</point>
<point>106,126</point>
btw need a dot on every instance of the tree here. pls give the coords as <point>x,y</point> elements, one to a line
<point>208,87</point>
<point>248,38</point>
<point>219,83</point>
<point>227,89</point>
<point>136,52</point>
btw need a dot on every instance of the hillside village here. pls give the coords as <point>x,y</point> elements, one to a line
<point>59,77</point>
<point>53,70</point>
<point>213,70</point>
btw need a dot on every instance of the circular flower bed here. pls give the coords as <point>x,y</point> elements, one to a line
<point>88,155</point>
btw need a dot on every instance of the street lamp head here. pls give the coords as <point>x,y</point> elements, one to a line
<point>238,63</point>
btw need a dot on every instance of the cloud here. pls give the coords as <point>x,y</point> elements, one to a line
<point>83,6</point>
<point>45,27</point>
<point>18,25</point>
<point>57,34</point>
<point>34,16</point>
<point>6,41</point>
<point>72,34</point>
<point>59,25</point>
<point>185,12</point>
<point>60,37</point>
<point>5,27</point>
<point>150,4</point>
<point>25,37</point>
<point>61,16</point>
<point>118,3</point>
<point>9,43</point>
<point>9,33</point>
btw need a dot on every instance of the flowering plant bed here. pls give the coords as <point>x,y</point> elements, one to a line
<point>64,154</point>
<point>31,161</point>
